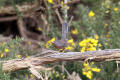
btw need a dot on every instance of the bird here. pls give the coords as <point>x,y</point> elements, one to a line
<point>62,43</point>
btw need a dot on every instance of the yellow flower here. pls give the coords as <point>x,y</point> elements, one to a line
<point>49,43</point>
<point>87,70</point>
<point>89,44</point>
<point>92,63</point>
<point>69,48</point>
<point>89,75</point>
<point>39,29</point>
<point>19,56</point>
<point>31,75</point>
<point>83,43</point>
<point>91,14</point>
<point>71,42</point>
<point>6,50</point>
<point>107,36</point>
<point>68,7</point>
<point>75,31</point>
<point>84,73</point>
<point>96,37</point>
<point>115,9</point>
<point>57,75</point>
<point>1,55</point>
<point>106,44</point>
<point>52,40</point>
<point>63,76</point>
<point>96,69</point>
<point>83,49</point>
<point>106,25</point>
<point>85,64</point>
<point>53,71</point>
<point>99,45</point>
<point>51,1</point>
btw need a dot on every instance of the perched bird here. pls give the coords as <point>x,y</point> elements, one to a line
<point>62,43</point>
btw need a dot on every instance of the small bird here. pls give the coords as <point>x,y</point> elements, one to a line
<point>61,44</point>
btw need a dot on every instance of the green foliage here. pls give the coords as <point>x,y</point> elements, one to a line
<point>105,24</point>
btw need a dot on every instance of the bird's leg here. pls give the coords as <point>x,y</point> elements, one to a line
<point>61,50</point>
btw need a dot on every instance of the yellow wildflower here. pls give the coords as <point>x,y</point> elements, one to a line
<point>63,76</point>
<point>96,37</point>
<point>49,43</point>
<point>51,1</point>
<point>84,73</point>
<point>107,36</point>
<point>87,70</point>
<point>52,40</point>
<point>91,14</point>
<point>89,44</point>
<point>69,48</point>
<point>106,25</point>
<point>71,42</point>
<point>89,74</point>
<point>96,69</point>
<point>39,29</point>
<point>57,75</point>
<point>31,75</point>
<point>75,31</point>
<point>19,56</point>
<point>83,49</point>
<point>106,44</point>
<point>92,63</point>
<point>6,50</point>
<point>68,7</point>
<point>85,64</point>
<point>99,45</point>
<point>53,71</point>
<point>115,9</point>
<point>1,55</point>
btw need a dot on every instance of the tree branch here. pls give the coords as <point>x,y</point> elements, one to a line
<point>50,56</point>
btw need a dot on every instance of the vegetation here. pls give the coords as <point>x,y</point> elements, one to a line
<point>95,27</point>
